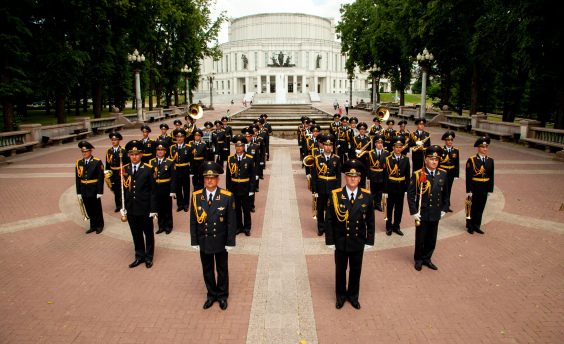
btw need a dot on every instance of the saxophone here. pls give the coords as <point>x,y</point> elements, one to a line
<point>416,148</point>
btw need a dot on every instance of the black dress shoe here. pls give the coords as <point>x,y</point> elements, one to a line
<point>99,230</point>
<point>135,263</point>
<point>168,232</point>
<point>208,304</point>
<point>399,232</point>
<point>355,304</point>
<point>430,265</point>
<point>179,209</point>
<point>449,210</point>
<point>186,209</point>
<point>418,266</point>
<point>223,304</point>
<point>320,233</point>
<point>116,211</point>
<point>248,233</point>
<point>160,231</point>
<point>339,305</point>
<point>261,177</point>
<point>252,209</point>
<point>388,232</point>
<point>478,230</point>
<point>470,231</point>
<point>90,230</point>
<point>148,263</point>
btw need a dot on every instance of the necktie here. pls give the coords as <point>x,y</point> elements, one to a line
<point>134,170</point>
<point>160,162</point>
<point>210,199</point>
<point>85,162</point>
<point>352,197</point>
<point>378,155</point>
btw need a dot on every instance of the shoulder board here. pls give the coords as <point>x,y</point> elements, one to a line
<point>198,192</point>
<point>79,160</point>
<point>93,158</point>
<point>489,157</point>
<point>364,190</point>
<point>231,156</point>
<point>169,159</point>
<point>418,171</point>
<point>440,169</point>
<point>385,150</point>
<point>336,156</point>
<point>225,192</point>
<point>472,157</point>
<point>336,190</point>
<point>249,156</point>
<point>152,160</point>
<point>149,165</point>
<point>454,148</point>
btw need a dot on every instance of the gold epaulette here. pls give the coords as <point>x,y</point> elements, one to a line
<point>225,192</point>
<point>149,165</point>
<point>152,160</point>
<point>230,156</point>
<point>198,192</point>
<point>440,169</point>
<point>248,155</point>
<point>336,156</point>
<point>337,190</point>
<point>169,159</point>
<point>364,190</point>
<point>78,161</point>
<point>93,158</point>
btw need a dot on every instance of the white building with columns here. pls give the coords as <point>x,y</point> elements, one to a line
<point>304,44</point>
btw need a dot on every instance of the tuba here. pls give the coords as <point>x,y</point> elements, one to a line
<point>195,111</point>
<point>383,113</point>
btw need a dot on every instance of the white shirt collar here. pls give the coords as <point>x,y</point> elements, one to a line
<point>212,193</point>
<point>349,191</point>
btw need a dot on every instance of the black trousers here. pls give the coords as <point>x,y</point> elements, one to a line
<point>395,211</point>
<point>183,191</point>
<point>164,212</point>
<point>376,191</point>
<point>116,188</point>
<point>425,240</point>
<point>476,212</point>
<point>417,164</point>
<point>341,151</point>
<point>217,290</point>
<point>141,227</point>
<point>352,260</point>
<point>197,183</point>
<point>321,207</point>
<point>243,212</point>
<point>450,181</point>
<point>93,208</point>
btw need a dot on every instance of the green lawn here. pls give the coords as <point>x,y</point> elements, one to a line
<point>40,117</point>
<point>409,98</point>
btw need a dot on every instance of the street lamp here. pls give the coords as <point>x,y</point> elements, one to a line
<point>353,77</point>
<point>186,71</point>
<point>136,59</point>
<point>373,70</point>
<point>211,77</point>
<point>424,61</point>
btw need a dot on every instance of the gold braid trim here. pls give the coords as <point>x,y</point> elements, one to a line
<point>199,218</point>
<point>394,171</point>
<point>322,170</point>
<point>481,171</point>
<point>233,168</point>
<point>341,216</point>
<point>426,188</point>
<point>445,160</point>
<point>372,163</point>
<point>79,170</point>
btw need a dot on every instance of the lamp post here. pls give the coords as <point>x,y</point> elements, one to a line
<point>186,71</point>
<point>424,61</point>
<point>211,77</point>
<point>136,59</point>
<point>373,70</point>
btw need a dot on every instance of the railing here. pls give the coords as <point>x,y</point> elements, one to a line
<point>463,120</point>
<point>102,122</point>
<point>550,135</point>
<point>12,138</point>
<point>500,127</point>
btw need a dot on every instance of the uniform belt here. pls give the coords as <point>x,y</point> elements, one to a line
<point>376,169</point>
<point>114,168</point>
<point>447,167</point>
<point>219,141</point>
<point>481,179</point>
<point>397,179</point>
<point>198,158</point>
<point>240,180</point>
<point>89,181</point>
<point>185,164</point>
<point>326,178</point>
<point>163,180</point>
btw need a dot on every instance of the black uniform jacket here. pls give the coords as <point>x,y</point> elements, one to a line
<point>435,195</point>
<point>450,162</point>
<point>310,145</point>
<point>214,226</point>
<point>140,190</point>
<point>376,165</point>
<point>359,142</point>
<point>197,155</point>
<point>374,129</point>
<point>89,180</point>
<point>165,176</point>
<point>167,138</point>
<point>112,159</point>
<point>325,175</point>
<point>220,139</point>
<point>334,128</point>
<point>149,152</point>
<point>350,226</point>
<point>181,158</point>
<point>479,175</point>
<point>396,174</point>
<point>241,175</point>
<point>414,137</point>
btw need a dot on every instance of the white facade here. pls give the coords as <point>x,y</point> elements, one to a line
<point>307,40</point>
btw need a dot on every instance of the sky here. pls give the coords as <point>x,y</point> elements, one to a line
<point>240,8</point>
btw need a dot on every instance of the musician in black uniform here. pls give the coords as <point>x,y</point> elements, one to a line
<point>396,175</point>
<point>419,137</point>
<point>209,138</point>
<point>310,144</point>
<point>361,143</point>
<point>149,151</point>
<point>180,154</point>
<point>300,130</point>
<point>405,133</point>
<point>450,161</point>
<point>112,164</point>
<point>228,137</point>
<point>325,177</point>
<point>165,136</point>
<point>198,151</point>
<point>164,172</point>
<point>177,125</point>
<point>267,128</point>
<point>253,149</point>
<point>376,163</point>
<point>434,204</point>
<point>260,139</point>
<point>334,129</point>
<point>352,131</point>
<point>220,140</point>
<point>350,231</point>
<point>140,203</point>
<point>389,133</point>
<point>342,146</point>
<point>189,127</point>
<point>89,175</point>
<point>241,182</point>
<point>375,129</point>
<point>479,183</point>
<point>213,227</point>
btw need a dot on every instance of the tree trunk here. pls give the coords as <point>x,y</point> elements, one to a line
<point>175,97</point>
<point>151,84</point>
<point>474,91</point>
<point>97,99</point>
<point>446,89</point>
<point>559,120</point>
<point>516,95</point>
<point>48,105</point>
<point>8,115</point>
<point>60,109</point>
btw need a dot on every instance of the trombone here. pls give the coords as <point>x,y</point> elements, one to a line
<point>363,150</point>
<point>468,207</point>
<point>82,209</point>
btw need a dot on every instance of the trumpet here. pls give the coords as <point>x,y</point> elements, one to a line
<point>107,176</point>
<point>314,207</point>
<point>416,148</point>
<point>82,209</point>
<point>385,208</point>
<point>363,150</point>
<point>468,207</point>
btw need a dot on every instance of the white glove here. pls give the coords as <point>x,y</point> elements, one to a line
<point>99,196</point>
<point>417,217</point>
<point>338,146</point>
<point>215,157</point>
<point>357,151</point>
<point>384,195</point>
<point>349,146</point>
<point>366,247</point>
<point>122,212</point>
<point>173,195</point>
<point>152,215</point>
<point>256,177</point>
<point>262,163</point>
<point>331,247</point>
<point>442,214</point>
<point>308,176</point>
<point>191,176</point>
<point>229,248</point>
<point>79,196</point>
<point>197,247</point>
<point>455,178</point>
<point>316,195</point>
<point>419,143</point>
<point>469,194</point>
<point>489,193</point>
<point>213,149</point>
<point>405,194</point>
<point>251,193</point>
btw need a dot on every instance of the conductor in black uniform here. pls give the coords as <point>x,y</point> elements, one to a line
<point>241,182</point>
<point>113,163</point>
<point>89,175</point>
<point>140,203</point>
<point>450,161</point>
<point>165,178</point>
<point>434,204</point>
<point>349,231</point>
<point>213,229</point>
<point>479,183</point>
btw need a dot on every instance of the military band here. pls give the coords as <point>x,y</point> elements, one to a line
<point>396,174</point>
<point>450,160</point>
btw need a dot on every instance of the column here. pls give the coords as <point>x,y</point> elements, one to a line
<point>247,84</point>
<point>315,81</point>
